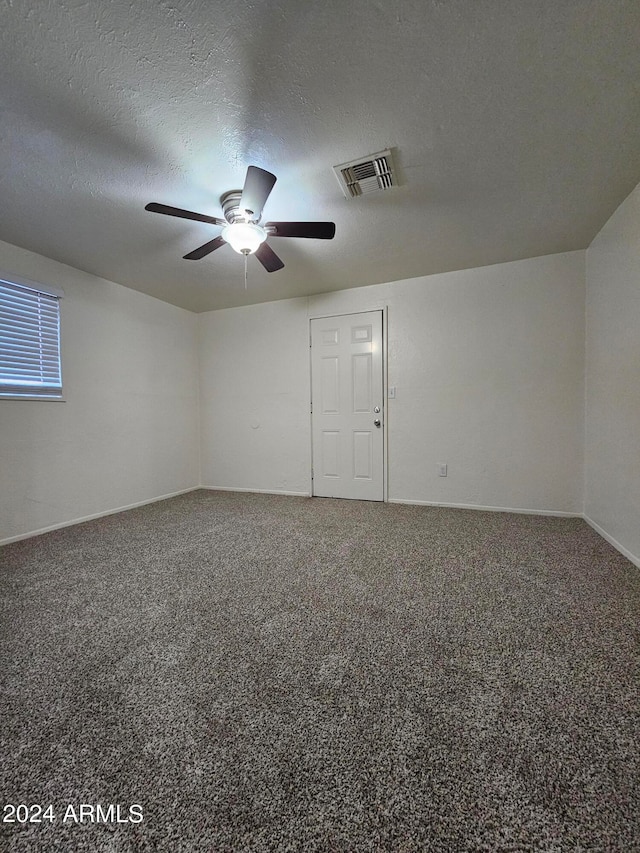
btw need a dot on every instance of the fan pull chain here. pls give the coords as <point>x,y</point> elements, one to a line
<point>245,272</point>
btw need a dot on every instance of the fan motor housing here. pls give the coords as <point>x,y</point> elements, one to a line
<point>230,203</point>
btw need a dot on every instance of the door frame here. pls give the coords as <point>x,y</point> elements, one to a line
<point>385,396</point>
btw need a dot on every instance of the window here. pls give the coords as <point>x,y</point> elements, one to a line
<point>29,341</point>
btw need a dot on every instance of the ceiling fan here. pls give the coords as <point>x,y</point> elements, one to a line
<point>241,227</point>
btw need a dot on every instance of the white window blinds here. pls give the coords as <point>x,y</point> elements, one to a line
<point>29,342</point>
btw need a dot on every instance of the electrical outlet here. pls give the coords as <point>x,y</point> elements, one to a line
<point>442,469</point>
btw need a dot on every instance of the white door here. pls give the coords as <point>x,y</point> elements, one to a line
<point>347,406</point>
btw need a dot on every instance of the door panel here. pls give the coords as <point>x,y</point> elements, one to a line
<point>330,449</point>
<point>346,383</point>
<point>362,456</point>
<point>330,392</point>
<point>361,382</point>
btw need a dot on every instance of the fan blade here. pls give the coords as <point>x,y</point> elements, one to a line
<point>257,186</point>
<point>206,249</point>
<point>154,207</point>
<point>268,258</point>
<point>319,230</point>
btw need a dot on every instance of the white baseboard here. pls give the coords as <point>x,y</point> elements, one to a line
<point>624,551</point>
<point>258,491</point>
<point>95,515</point>
<point>520,510</point>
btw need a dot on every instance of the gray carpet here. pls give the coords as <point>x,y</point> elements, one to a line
<point>266,673</point>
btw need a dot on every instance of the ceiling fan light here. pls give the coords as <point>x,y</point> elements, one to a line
<point>244,237</point>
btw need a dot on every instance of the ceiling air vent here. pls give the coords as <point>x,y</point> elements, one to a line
<point>366,175</point>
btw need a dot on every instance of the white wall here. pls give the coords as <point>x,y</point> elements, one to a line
<point>488,365</point>
<point>128,431</point>
<point>254,397</point>
<point>612,412</point>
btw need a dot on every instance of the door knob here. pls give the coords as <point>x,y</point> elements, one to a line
<point>377,422</point>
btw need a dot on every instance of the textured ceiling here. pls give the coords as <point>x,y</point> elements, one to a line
<point>514,126</point>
